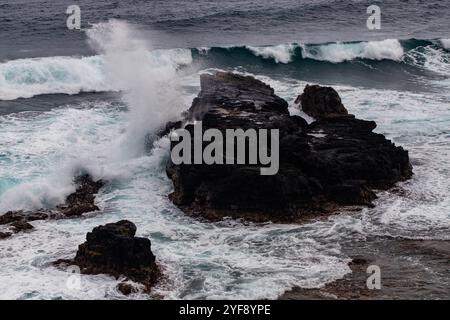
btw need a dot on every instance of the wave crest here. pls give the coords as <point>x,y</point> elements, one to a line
<point>280,53</point>
<point>445,43</point>
<point>26,78</point>
<point>389,49</point>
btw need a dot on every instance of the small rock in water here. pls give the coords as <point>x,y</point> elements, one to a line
<point>22,225</point>
<point>77,203</point>
<point>321,102</point>
<point>127,288</point>
<point>12,216</point>
<point>113,249</point>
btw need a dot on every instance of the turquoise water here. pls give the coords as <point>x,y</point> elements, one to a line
<point>40,152</point>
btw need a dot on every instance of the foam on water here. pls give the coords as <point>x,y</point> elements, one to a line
<point>40,161</point>
<point>430,58</point>
<point>280,53</point>
<point>390,49</point>
<point>210,260</point>
<point>419,123</point>
<point>221,260</point>
<point>25,78</point>
<point>41,152</point>
<point>44,150</point>
<point>150,88</point>
<point>445,43</point>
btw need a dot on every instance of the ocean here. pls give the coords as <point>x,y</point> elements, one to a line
<point>74,100</point>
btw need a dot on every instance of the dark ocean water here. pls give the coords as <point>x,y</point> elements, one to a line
<point>85,100</point>
<point>31,28</point>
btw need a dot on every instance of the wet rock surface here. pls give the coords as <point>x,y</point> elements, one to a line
<point>77,203</point>
<point>336,160</point>
<point>321,102</point>
<point>82,200</point>
<point>115,250</point>
<point>405,272</point>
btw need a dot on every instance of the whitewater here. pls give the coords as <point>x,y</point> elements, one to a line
<point>25,78</point>
<point>41,151</point>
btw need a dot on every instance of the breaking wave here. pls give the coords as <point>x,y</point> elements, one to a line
<point>25,78</point>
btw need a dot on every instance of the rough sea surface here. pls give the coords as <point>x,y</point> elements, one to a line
<point>74,100</point>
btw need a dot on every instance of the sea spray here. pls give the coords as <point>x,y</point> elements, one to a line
<point>280,53</point>
<point>69,137</point>
<point>150,89</point>
<point>445,43</point>
<point>389,49</point>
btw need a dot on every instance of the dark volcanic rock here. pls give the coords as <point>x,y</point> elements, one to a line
<point>321,102</point>
<point>336,160</point>
<point>77,203</point>
<point>126,288</point>
<point>11,216</point>
<point>17,216</point>
<point>4,235</point>
<point>19,226</point>
<point>113,249</point>
<point>82,200</point>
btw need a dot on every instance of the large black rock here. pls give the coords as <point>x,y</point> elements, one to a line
<point>113,249</point>
<point>336,160</point>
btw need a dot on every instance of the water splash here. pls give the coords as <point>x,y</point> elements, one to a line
<point>150,89</point>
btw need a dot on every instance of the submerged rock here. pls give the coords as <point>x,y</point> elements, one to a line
<point>77,203</point>
<point>336,160</point>
<point>113,249</point>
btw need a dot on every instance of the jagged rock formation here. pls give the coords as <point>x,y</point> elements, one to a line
<point>77,203</point>
<point>336,160</point>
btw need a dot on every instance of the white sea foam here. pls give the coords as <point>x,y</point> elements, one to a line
<point>445,43</point>
<point>390,49</point>
<point>151,93</point>
<point>418,122</point>
<point>25,78</point>
<point>205,260</point>
<point>220,260</point>
<point>430,58</point>
<point>282,53</point>
<point>151,88</point>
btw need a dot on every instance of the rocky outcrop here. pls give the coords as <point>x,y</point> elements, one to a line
<point>77,203</point>
<point>336,160</point>
<point>4,235</point>
<point>82,200</point>
<point>321,102</point>
<point>113,249</point>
